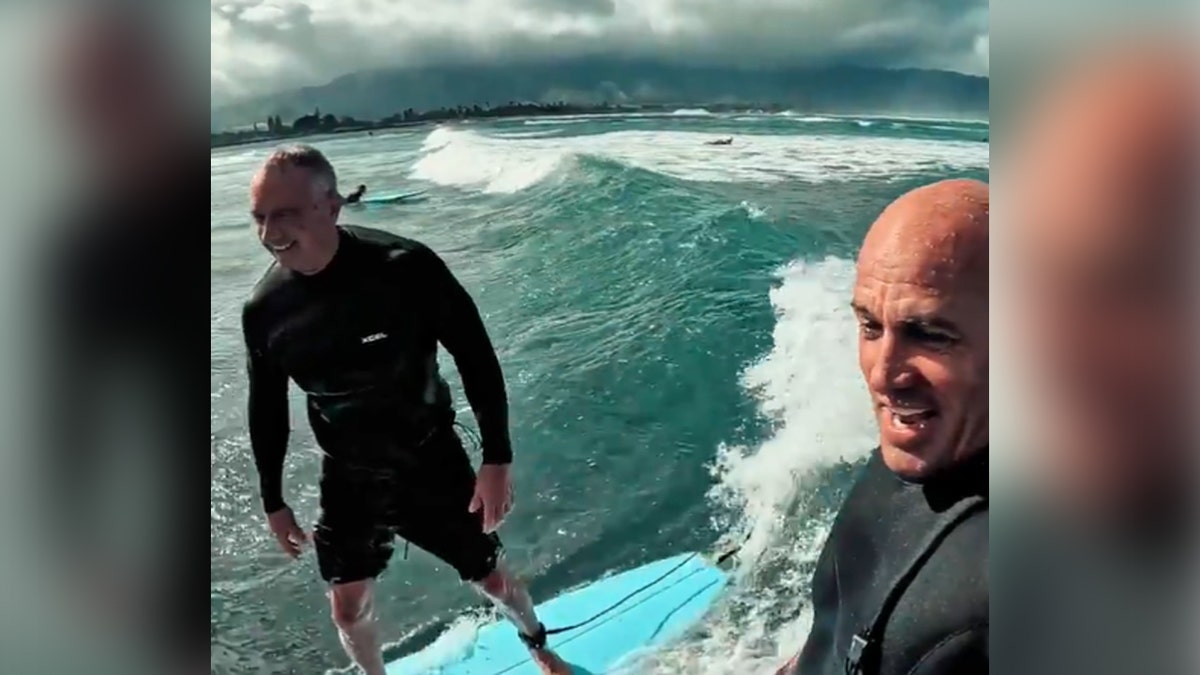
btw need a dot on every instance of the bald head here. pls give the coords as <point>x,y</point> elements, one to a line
<point>921,301</point>
<point>1103,205</point>
<point>938,231</point>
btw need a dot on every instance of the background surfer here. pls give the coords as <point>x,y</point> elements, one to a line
<point>358,193</point>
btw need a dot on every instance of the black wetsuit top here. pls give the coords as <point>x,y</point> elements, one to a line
<point>940,624</point>
<point>353,197</point>
<point>360,339</point>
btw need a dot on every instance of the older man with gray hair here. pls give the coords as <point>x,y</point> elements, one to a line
<point>354,316</point>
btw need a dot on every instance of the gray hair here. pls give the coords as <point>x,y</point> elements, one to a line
<point>309,158</point>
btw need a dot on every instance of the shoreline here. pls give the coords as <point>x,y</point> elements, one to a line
<point>230,139</point>
<point>316,124</point>
<point>266,137</point>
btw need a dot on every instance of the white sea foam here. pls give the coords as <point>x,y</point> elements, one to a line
<point>809,118</point>
<point>810,385</point>
<point>526,134</point>
<point>754,211</point>
<point>452,645</point>
<point>467,159</point>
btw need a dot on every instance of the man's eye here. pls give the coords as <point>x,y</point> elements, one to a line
<point>870,329</point>
<point>933,337</point>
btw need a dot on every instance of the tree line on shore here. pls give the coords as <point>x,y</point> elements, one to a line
<point>316,122</point>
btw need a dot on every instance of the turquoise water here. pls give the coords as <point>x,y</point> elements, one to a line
<point>672,322</point>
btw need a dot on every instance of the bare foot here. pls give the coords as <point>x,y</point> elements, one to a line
<point>549,662</point>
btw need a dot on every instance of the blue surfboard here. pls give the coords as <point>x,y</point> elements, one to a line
<point>664,599</point>
<point>390,198</point>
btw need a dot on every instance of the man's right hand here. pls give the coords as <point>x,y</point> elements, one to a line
<point>287,532</point>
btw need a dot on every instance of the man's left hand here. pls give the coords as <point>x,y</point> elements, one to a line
<point>493,495</point>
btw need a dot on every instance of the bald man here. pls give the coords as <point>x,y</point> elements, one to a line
<point>901,585</point>
<point>1104,221</point>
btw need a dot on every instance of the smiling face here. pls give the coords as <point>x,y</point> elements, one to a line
<point>921,302</point>
<point>295,215</point>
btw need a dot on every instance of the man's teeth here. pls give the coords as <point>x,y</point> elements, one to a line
<point>910,416</point>
<point>282,247</point>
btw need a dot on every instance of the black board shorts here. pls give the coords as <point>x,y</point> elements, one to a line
<point>420,494</point>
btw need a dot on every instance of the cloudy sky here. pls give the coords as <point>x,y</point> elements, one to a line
<point>263,46</point>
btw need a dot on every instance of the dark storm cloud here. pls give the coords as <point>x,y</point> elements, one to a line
<point>265,45</point>
<point>602,8</point>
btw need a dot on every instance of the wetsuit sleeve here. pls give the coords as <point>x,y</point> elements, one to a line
<point>267,415</point>
<point>461,331</point>
<point>963,652</point>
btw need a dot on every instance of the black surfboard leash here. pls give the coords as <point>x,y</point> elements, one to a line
<point>720,560</point>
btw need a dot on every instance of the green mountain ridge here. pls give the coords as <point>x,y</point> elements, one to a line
<point>588,82</point>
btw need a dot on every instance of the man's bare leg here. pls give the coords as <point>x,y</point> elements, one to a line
<point>511,596</point>
<point>354,615</point>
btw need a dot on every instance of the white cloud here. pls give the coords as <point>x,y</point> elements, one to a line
<point>261,46</point>
<point>982,52</point>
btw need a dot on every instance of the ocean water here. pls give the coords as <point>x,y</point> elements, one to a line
<point>672,321</point>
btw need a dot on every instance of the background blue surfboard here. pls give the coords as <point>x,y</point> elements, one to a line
<point>675,594</point>
<point>390,198</point>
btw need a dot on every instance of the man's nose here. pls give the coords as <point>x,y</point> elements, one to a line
<point>269,229</point>
<point>891,368</point>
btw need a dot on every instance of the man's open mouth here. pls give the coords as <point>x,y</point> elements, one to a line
<point>279,248</point>
<point>910,415</point>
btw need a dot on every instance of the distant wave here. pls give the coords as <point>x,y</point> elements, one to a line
<point>467,159</point>
<point>526,134</point>
<point>926,121</point>
<point>943,127</point>
<point>692,112</point>
<point>235,158</point>
<point>806,119</point>
<point>801,117</point>
<point>548,121</point>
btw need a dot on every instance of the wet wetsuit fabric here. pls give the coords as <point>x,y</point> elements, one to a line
<point>360,339</point>
<point>940,624</point>
<point>420,494</point>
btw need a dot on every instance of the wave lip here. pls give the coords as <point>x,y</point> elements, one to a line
<point>822,415</point>
<point>466,159</point>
